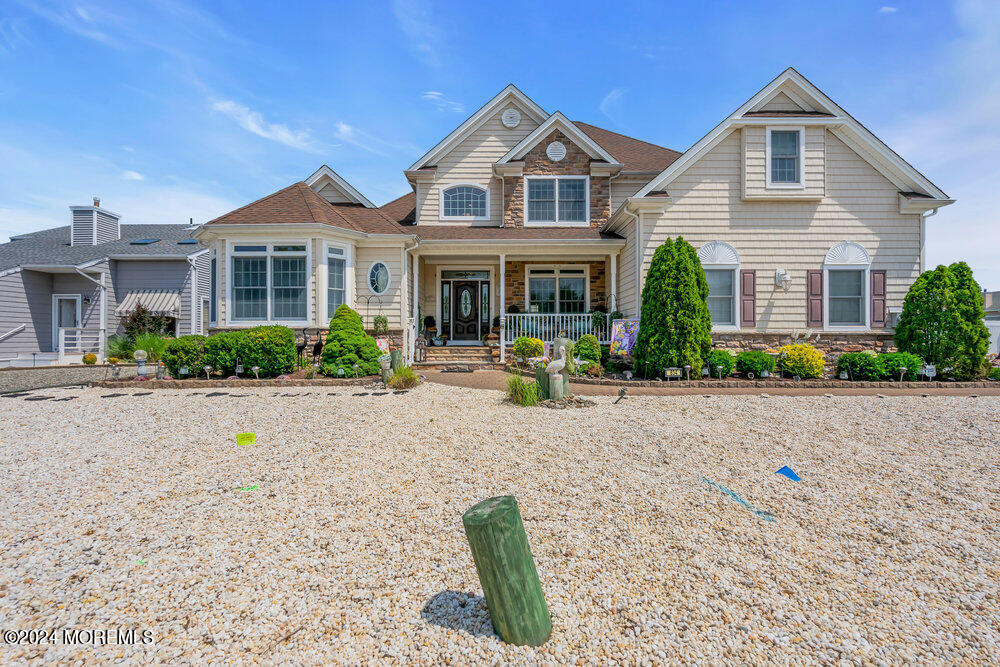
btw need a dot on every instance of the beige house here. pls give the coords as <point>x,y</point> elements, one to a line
<point>805,223</point>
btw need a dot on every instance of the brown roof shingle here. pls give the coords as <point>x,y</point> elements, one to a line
<point>403,209</point>
<point>634,154</point>
<point>298,203</point>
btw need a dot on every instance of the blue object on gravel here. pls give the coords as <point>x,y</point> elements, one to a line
<point>767,516</point>
<point>789,473</point>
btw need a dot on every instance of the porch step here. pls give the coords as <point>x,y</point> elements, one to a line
<point>463,366</point>
<point>468,353</point>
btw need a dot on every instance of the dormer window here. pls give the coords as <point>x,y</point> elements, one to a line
<point>465,202</point>
<point>784,158</point>
<point>557,200</point>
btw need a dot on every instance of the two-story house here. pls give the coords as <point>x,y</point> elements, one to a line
<point>804,222</point>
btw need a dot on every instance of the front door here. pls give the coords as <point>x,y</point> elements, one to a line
<point>66,313</point>
<point>465,325</point>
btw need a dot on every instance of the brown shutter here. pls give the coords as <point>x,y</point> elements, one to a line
<point>877,282</point>
<point>814,298</point>
<point>748,298</point>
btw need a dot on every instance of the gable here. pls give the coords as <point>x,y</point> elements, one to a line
<point>780,102</point>
<point>335,189</point>
<point>509,97</point>
<point>558,122</point>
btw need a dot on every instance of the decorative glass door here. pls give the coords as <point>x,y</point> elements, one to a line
<point>465,318</point>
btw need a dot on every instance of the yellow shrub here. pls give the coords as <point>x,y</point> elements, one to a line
<point>803,360</point>
<point>90,359</point>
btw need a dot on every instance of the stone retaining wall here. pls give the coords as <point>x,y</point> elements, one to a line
<point>41,377</point>
<point>233,384</point>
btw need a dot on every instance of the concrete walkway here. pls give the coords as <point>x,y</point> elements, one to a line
<point>498,380</point>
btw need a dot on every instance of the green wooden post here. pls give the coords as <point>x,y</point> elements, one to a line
<point>507,571</point>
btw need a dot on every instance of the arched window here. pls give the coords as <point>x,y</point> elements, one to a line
<point>378,278</point>
<point>465,202</point>
<point>846,277</point>
<point>721,263</point>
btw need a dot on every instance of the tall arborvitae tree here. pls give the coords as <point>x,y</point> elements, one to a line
<point>675,327</point>
<point>972,340</point>
<point>942,321</point>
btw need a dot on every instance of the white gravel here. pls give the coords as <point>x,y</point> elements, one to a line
<point>351,547</point>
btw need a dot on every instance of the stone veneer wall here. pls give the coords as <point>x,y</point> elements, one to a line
<point>576,163</point>
<point>514,290</point>
<point>829,343</point>
<point>315,336</point>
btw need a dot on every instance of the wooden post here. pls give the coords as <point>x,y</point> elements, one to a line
<point>507,571</point>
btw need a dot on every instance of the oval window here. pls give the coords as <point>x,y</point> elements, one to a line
<point>466,302</point>
<point>378,278</point>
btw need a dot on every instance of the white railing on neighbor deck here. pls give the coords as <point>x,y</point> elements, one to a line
<point>994,328</point>
<point>75,342</point>
<point>548,326</point>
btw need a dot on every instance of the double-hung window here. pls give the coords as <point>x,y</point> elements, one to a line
<point>785,157</point>
<point>722,296</point>
<point>557,290</point>
<point>336,265</point>
<point>847,297</point>
<point>557,200</point>
<point>270,282</point>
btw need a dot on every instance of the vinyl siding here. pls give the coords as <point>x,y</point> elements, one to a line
<point>389,304</point>
<point>626,273</point>
<point>83,228</point>
<point>624,187</point>
<point>471,161</point>
<point>334,195</point>
<point>755,166</point>
<point>107,228</point>
<point>71,283</point>
<point>203,264</point>
<point>860,205</point>
<point>26,298</point>
<point>167,274</point>
<point>781,102</point>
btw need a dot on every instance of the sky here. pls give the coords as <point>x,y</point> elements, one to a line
<point>169,110</point>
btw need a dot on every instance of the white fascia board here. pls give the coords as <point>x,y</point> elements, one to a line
<point>94,208</point>
<point>909,205</point>
<point>887,162</point>
<point>477,119</point>
<point>559,121</point>
<point>12,270</point>
<point>340,182</point>
<point>542,244</point>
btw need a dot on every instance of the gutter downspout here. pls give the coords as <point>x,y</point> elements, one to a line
<point>638,264</point>
<point>103,342</point>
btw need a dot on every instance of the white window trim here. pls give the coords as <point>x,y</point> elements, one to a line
<point>324,278</point>
<point>55,315</point>
<point>269,253</point>
<point>368,277</point>
<point>206,302</point>
<point>801,184</point>
<point>866,306</point>
<point>737,293</point>
<point>528,268</point>
<point>558,223</point>
<point>213,277</point>
<point>461,218</point>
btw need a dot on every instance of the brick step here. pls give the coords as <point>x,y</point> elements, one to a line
<point>465,365</point>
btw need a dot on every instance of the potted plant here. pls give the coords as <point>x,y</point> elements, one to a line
<point>380,325</point>
<point>496,324</point>
<point>430,326</point>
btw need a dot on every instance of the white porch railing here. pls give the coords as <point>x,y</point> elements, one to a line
<point>13,332</point>
<point>548,326</point>
<point>75,342</point>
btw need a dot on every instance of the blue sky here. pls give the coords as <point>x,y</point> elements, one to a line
<point>171,110</point>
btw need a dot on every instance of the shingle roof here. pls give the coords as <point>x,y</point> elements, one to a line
<point>633,154</point>
<point>403,209</point>
<point>298,203</point>
<point>51,247</point>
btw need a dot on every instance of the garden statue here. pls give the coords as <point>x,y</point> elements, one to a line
<point>558,374</point>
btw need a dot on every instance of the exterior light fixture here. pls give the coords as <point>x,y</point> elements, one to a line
<point>140,360</point>
<point>782,279</point>
<point>207,369</point>
<point>687,371</point>
<point>256,371</point>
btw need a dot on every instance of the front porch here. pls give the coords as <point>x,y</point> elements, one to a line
<point>480,298</point>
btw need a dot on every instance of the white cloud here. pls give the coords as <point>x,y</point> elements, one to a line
<point>424,36</point>
<point>130,175</point>
<point>955,141</point>
<point>886,9</point>
<point>610,101</point>
<point>441,102</point>
<point>254,122</point>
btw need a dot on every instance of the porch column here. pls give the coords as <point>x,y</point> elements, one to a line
<point>613,269</point>
<point>502,306</point>
<point>416,303</point>
<point>103,344</point>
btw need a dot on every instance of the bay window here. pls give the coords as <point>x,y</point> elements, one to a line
<point>270,282</point>
<point>557,199</point>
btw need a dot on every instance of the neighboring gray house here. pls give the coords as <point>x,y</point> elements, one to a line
<point>991,303</point>
<point>64,290</point>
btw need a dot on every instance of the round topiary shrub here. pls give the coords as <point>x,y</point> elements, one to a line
<point>186,351</point>
<point>90,358</point>
<point>526,347</point>
<point>754,362</point>
<point>271,348</point>
<point>892,362</point>
<point>718,358</point>
<point>994,373</point>
<point>588,348</point>
<point>860,366</point>
<point>803,360</point>
<point>347,345</point>
<point>220,352</point>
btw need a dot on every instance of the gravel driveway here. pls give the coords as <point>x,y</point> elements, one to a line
<point>338,537</point>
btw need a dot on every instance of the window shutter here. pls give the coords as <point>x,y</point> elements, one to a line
<point>748,298</point>
<point>877,285</point>
<point>814,298</point>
